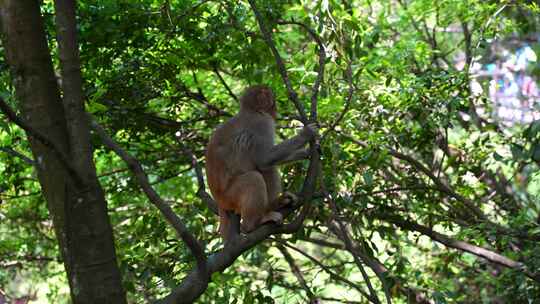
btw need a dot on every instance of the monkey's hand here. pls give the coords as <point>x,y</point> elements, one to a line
<point>300,154</point>
<point>310,131</point>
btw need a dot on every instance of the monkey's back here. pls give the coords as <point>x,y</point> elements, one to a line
<point>220,162</point>
<point>231,152</point>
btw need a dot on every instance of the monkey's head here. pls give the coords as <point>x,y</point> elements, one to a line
<point>259,98</point>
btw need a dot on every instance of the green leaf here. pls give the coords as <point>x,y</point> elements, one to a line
<point>532,130</point>
<point>517,152</point>
<point>536,152</point>
<point>368,178</point>
<point>5,126</point>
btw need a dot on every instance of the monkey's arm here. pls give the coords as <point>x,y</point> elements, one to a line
<point>299,154</point>
<point>287,151</point>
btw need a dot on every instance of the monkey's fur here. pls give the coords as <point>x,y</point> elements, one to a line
<point>241,160</point>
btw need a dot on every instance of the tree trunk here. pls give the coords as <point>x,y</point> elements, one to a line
<point>77,205</point>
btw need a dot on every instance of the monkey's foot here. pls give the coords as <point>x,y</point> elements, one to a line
<point>287,199</point>
<point>273,216</point>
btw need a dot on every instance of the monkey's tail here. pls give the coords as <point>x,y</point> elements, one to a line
<point>224,223</point>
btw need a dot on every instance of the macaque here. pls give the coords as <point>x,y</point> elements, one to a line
<point>241,160</point>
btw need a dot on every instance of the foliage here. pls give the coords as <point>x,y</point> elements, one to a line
<point>407,146</point>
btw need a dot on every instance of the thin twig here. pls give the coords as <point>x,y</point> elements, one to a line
<point>23,157</point>
<point>320,71</point>
<point>201,192</point>
<point>267,35</point>
<point>308,187</point>
<point>224,83</point>
<point>201,98</point>
<point>296,271</point>
<point>348,244</point>
<point>328,270</point>
<point>348,100</point>
<point>418,165</point>
<point>480,39</point>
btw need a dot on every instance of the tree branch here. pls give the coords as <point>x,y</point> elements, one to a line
<point>173,219</point>
<point>348,99</point>
<point>267,36</point>
<point>224,83</point>
<point>197,280</point>
<point>440,185</point>
<point>320,71</point>
<point>314,165</point>
<point>80,148</point>
<point>315,150</point>
<point>340,230</point>
<point>296,271</point>
<point>192,286</point>
<point>375,265</point>
<point>201,192</point>
<point>199,97</point>
<point>485,253</point>
<point>64,159</point>
<point>14,153</point>
<point>330,272</point>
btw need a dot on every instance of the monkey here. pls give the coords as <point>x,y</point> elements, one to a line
<point>242,159</point>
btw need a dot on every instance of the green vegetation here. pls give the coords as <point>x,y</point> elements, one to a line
<point>420,197</point>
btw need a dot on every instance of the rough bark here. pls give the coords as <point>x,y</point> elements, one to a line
<point>77,207</point>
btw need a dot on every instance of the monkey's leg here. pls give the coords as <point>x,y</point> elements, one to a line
<point>249,189</point>
<point>284,200</point>
<point>276,199</point>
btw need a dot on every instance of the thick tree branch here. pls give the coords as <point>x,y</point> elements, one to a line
<point>78,126</point>
<point>197,280</point>
<point>75,200</point>
<point>192,286</point>
<point>171,217</point>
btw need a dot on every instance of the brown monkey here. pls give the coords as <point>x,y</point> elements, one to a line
<point>241,160</point>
